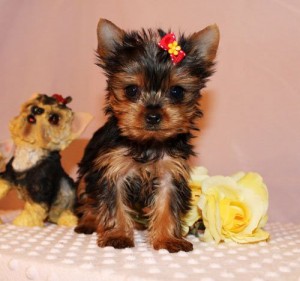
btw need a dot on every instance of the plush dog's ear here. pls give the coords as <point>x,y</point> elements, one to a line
<point>7,149</point>
<point>109,35</point>
<point>206,42</point>
<point>80,122</point>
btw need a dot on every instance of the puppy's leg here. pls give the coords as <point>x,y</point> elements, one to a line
<point>115,224</point>
<point>32,215</point>
<point>165,224</point>
<point>87,222</point>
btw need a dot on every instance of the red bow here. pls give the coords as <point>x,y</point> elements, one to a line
<point>169,43</point>
<point>59,98</point>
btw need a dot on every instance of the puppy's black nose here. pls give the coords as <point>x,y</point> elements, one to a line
<point>153,118</point>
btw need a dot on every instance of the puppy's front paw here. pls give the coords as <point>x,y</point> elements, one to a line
<point>85,229</point>
<point>173,245</point>
<point>118,242</point>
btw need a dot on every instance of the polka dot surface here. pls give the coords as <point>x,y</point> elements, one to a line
<point>58,253</point>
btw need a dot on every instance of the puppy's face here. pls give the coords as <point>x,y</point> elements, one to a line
<point>44,123</point>
<point>150,96</point>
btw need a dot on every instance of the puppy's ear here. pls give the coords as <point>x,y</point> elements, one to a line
<point>109,35</point>
<point>206,42</point>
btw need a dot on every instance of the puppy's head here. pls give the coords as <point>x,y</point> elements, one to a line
<point>151,97</point>
<point>47,122</point>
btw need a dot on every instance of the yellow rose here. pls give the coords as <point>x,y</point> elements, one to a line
<point>234,208</point>
<point>198,174</point>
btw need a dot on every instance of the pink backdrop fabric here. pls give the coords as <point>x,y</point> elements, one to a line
<point>251,105</point>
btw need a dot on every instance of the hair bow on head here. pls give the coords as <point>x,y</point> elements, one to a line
<point>169,43</point>
<point>59,98</point>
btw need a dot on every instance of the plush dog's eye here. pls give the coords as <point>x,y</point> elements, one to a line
<point>177,93</point>
<point>35,110</point>
<point>54,119</point>
<point>132,91</point>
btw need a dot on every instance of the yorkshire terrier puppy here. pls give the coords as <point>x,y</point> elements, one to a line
<point>137,162</point>
<point>44,126</point>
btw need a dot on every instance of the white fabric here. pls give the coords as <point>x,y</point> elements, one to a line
<point>56,253</point>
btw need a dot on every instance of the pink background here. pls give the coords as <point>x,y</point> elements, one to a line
<point>251,104</point>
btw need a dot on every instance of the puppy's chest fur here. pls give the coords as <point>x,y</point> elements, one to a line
<point>139,169</point>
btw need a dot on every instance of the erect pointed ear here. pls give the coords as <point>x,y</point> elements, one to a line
<point>108,36</point>
<point>80,122</point>
<point>7,149</point>
<point>206,42</point>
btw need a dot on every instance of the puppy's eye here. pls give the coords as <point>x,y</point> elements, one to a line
<point>132,91</point>
<point>35,110</point>
<point>54,119</point>
<point>176,93</point>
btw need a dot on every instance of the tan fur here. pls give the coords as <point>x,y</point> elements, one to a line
<point>42,135</point>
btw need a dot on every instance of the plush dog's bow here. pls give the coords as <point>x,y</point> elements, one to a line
<point>59,98</point>
<point>169,43</point>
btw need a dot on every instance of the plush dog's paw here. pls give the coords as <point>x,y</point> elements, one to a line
<point>32,215</point>
<point>173,245</point>
<point>118,242</point>
<point>67,218</point>
<point>28,220</point>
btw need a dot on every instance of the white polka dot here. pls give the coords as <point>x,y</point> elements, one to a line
<point>5,247</point>
<point>284,269</point>
<point>32,273</point>
<point>13,265</point>
<point>52,277</point>
<point>219,255</point>
<point>51,257</point>
<point>167,258</point>
<point>174,265</point>
<point>227,275</point>
<point>33,253</point>
<point>215,265</point>
<point>199,270</point>
<point>149,261</point>
<point>206,279</point>
<point>108,261</point>
<point>68,261</point>
<point>129,265</point>
<point>242,258</point>
<point>154,270</point>
<point>89,258</point>
<point>272,274</point>
<point>255,265</point>
<point>131,258</point>
<point>192,261</point>
<point>241,270</point>
<point>86,266</point>
<point>180,275</point>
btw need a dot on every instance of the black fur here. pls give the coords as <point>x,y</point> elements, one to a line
<point>40,183</point>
